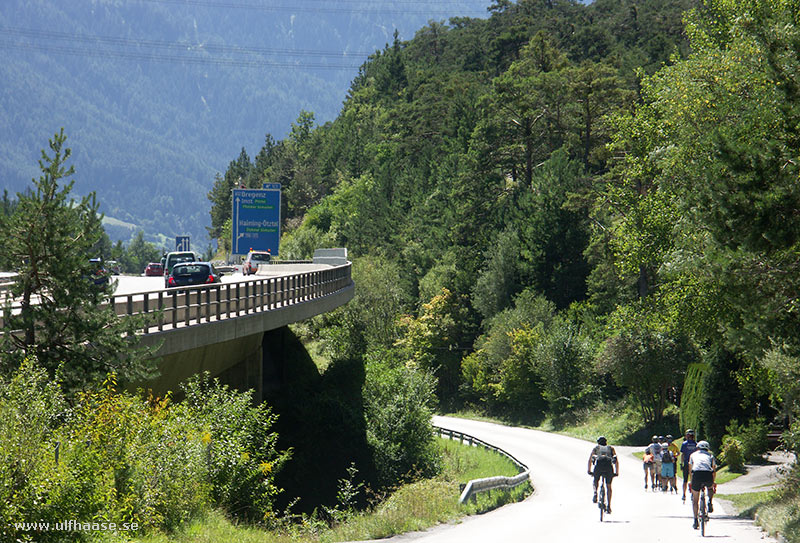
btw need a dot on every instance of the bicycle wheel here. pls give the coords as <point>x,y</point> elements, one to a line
<point>601,501</point>
<point>702,513</point>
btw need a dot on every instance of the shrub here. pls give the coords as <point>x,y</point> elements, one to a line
<point>30,408</point>
<point>111,458</point>
<point>692,397</point>
<point>721,398</point>
<point>238,446</point>
<point>791,437</point>
<point>753,438</point>
<point>398,405</point>
<point>121,458</point>
<point>142,456</point>
<point>732,454</point>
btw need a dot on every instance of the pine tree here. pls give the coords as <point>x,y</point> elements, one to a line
<point>61,315</point>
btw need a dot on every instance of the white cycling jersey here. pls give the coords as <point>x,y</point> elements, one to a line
<point>702,461</point>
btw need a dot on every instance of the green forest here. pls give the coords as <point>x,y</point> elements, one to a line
<point>566,206</point>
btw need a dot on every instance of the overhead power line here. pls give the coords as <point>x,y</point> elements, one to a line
<point>61,43</point>
<point>52,35</point>
<point>110,47</point>
<point>171,59</point>
<point>362,7</point>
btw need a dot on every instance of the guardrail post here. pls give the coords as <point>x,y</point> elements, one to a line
<point>238,299</point>
<point>160,310</point>
<point>174,309</point>
<point>146,311</point>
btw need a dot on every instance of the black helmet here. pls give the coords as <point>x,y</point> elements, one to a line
<point>601,440</point>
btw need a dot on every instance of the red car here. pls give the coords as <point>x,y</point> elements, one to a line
<point>154,269</point>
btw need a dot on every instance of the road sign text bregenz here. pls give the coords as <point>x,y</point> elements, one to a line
<point>257,219</point>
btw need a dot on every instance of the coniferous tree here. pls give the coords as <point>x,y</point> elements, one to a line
<point>60,312</point>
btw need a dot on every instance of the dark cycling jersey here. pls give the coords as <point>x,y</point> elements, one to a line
<point>604,456</point>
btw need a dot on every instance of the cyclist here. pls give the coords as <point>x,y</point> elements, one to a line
<point>604,460</point>
<point>688,446</point>
<point>704,472</point>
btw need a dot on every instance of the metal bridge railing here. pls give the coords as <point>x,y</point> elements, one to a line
<point>187,306</point>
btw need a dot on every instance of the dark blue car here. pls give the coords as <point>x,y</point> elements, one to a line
<point>185,274</point>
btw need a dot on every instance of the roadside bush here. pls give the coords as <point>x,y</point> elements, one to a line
<point>753,438</point>
<point>30,408</point>
<point>731,454</point>
<point>692,397</point>
<point>398,405</point>
<point>111,457</point>
<point>791,438</point>
<point>238,447</point>
<point>114,457</point>
<point>148,463</point>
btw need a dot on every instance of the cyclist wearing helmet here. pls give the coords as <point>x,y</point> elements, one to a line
<point>688,446</point>
<point>604,461</point>
<point>704,472</point>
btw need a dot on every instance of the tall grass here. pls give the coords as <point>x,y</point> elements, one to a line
<point>412,507</point>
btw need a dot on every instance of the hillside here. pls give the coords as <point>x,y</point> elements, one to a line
<point>156,95</point>
<point>562,203</point>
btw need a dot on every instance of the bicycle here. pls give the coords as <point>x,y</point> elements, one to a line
<point>702,511</point>
<point>601,498</point>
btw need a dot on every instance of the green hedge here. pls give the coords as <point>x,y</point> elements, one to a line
<point>692,397</point>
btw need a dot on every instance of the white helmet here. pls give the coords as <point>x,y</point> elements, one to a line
<point>703,445</point>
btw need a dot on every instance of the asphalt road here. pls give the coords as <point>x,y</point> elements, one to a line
<point>561,510</point>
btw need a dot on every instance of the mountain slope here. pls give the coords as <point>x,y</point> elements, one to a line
<point>156,95</point>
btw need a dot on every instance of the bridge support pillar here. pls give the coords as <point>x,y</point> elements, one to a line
<point>236,363</point>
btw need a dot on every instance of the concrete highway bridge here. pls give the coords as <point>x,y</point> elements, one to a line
<point>222,328</point>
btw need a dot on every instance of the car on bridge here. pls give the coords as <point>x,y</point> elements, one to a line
<point>175,257</point>
<point>154,269</point>
<point>114,267</point>
<point>99,273</point>
<point>185,274</point>
<point>253,259</point>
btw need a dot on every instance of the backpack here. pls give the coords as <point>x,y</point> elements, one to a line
<point>604,457</point>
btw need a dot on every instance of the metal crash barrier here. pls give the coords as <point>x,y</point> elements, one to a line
<point>488,483</point>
